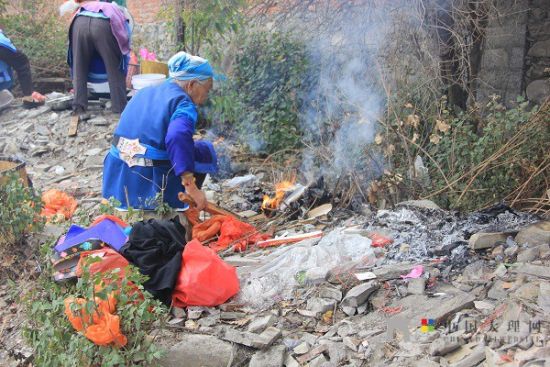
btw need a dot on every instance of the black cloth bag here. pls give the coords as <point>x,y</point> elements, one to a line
<point>155,247</point>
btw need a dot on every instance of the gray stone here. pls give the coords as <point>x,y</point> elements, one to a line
<point>476,273</point>
<point>94,151</point>
<point>497,292</point>
<point>482,240</point>
<point>476,357</point>
<point>178,312</point>
<point>198,351</point>
<point>444,345</point>
<point>540,49</point>
<point>416,286</point>
<point>337,353</point>
<point>320,305</point>
<point>394,271</point>
<point>425,204</point>
<point>330,292</point>
<point>273,357</point>
<point>194,312</point>
<point>528,255</point>
<point>460,301</point>
<point>535,234</point>
<point>537,91</point>
<point>544,297</point>
<point>316,275</point>
<point>496,57</point>
<point>533,270</point>
<point>318,361</point>
<point>351,342</point>
<point>261,323</point>
<point>94,160</point>
<point>291,362</point>
<point>99,121</point>
<point>362,309</point>
<point>301,348</point>
<point>259,341</point>
<point>359,294</point>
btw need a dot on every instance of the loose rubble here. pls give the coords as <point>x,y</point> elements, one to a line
<point>482,297</point>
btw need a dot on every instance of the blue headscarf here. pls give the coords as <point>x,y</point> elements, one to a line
<point>184,66</point>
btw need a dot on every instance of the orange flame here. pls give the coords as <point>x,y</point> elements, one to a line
<point>280,189</point>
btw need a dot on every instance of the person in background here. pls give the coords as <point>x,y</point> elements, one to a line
<point>153,152</point>
<point>99,34</point>
<point>12,58</point>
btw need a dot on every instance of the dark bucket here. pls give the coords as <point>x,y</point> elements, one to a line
<point>10,165</point>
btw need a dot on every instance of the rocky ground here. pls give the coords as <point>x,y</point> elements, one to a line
<point>480,283</point>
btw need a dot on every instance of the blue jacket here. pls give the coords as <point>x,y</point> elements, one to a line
<point>163,119</point>
<point>6,76</point>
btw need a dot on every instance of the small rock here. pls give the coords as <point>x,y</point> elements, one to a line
<point>544,297</point>
<point>351,342</point>
<point>511,251</point>
<point>528,255</point>
<point>178,312</point>
<point>318,361</point>
<point>533,270</point>
<point>330,292</point>
<point>94,151</point>
<point>416,286</point>
<point>302,348</point>
<point>362,309</point>
<point>535,234</point>
<point>482,240</point>
<point>273,357</point>
<point>99,121</point>
<point>261,323</point>
<point>316,275</point>
<point>497,292</point>
<point>320,305</point>
<point>359,294</point>
<point>94,160</point>
<point>291,362</point>
<point>198,351</point>
<point>194,312</point>
<point>442,346</point>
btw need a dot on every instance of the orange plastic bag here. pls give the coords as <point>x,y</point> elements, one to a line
<point>204,279</point>
<point>102,327</point>
<point>58,203</point>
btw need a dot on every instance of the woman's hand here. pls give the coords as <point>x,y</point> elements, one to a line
<point>188,181</point>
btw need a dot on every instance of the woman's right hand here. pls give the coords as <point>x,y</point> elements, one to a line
<point>188,181</point>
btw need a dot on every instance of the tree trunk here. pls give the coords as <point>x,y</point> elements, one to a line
<point>180,24</point>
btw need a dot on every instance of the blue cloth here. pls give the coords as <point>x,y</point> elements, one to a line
<point>184,66</point>
<point>106,231</point>
<point>163,118</point>
<point>5,42</point>
<point>6,74</point>
<point>92,14</point>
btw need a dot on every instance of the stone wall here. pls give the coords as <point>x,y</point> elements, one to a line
<point>158,37</point>
<point>502,62</point>
<point>538,53</point>
<point>516,51</point>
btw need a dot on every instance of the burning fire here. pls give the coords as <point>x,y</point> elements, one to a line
<point>280,190</point>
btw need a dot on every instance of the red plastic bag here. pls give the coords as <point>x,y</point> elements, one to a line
<point>204,279</point>
<point>110,259</point>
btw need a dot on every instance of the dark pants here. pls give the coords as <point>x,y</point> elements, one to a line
<point>91,35</point>
<point>20,63</point>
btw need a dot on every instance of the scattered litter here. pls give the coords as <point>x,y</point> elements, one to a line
<point>415,273</point>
